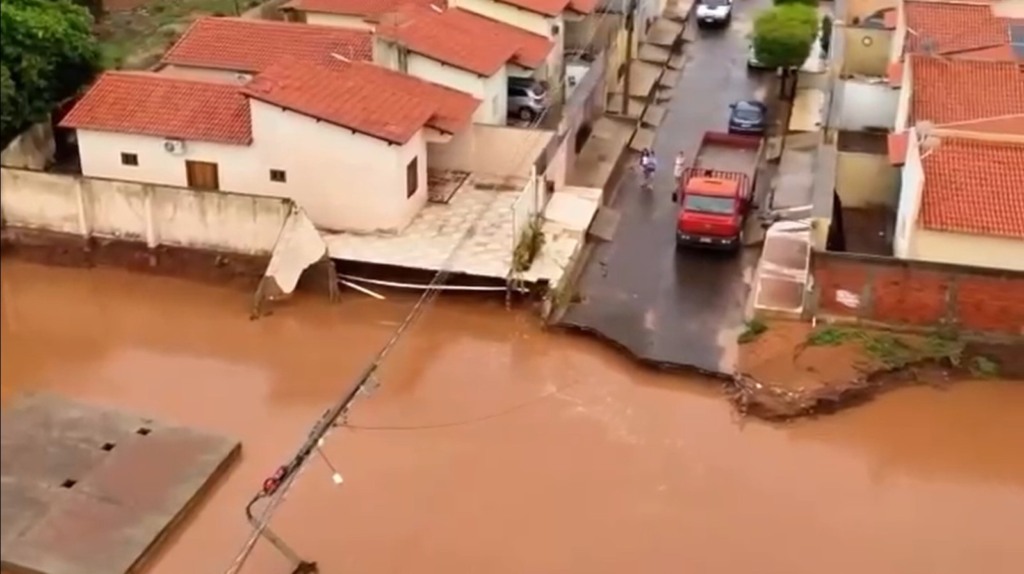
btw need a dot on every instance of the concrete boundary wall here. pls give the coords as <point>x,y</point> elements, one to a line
<point>160,222</point>
<point>151,214</point>
<point>917,294</point>
<point>526,210</point>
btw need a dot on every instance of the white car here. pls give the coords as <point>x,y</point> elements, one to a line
<point>714,13</point>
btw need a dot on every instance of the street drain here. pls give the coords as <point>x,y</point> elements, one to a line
<point>69,483</point>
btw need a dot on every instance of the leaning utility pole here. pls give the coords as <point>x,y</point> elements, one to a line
<point>630,26</point>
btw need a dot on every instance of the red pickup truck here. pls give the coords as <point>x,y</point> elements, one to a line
<point>716,193</point>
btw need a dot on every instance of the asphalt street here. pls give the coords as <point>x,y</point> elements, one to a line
<point>682,308</point>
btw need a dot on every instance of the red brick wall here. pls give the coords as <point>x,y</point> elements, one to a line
<point>916,294</point>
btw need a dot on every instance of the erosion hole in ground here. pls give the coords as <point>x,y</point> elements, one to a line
<point>108,446</point>
<point>143,431</point>
<point>69,483</point>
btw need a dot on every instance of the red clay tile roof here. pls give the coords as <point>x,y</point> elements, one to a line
<point>965,91</point>
<point>582,6</point>
<point>358,7</point>
<point>452,37</point>
<point>245,45</point>
<point>955,28</point>
<point>145,103</point>
<point>531,49</point>
<point>973,186</point>
<point>364,98</point>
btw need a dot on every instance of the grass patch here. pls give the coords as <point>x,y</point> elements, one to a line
<point>754,329</point>
<point>891,350</point>
<point>136,39</point>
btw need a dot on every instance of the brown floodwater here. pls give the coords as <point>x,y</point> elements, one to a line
<point>491,446</point>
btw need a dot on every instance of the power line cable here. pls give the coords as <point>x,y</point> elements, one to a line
<point>277,485</point>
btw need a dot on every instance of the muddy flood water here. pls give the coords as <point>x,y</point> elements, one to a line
<point>493,447</point>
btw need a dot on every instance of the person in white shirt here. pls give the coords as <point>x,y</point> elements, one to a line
<point>680,165</point>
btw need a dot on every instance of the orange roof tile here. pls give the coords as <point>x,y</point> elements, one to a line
<point>954,28</point>
<point>245,45</point>
<point>364,98</point>
<point>897,147</point>
<point>965,91</point>
<point>531,49</point>
<point>146,103</point>
<point>455,38</point>
<point>973,186</point>
<point>358,7</point>
<point>894,74</point>
<point>582,6</point>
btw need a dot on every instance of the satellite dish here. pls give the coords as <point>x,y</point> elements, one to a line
<point>928,46</point>
<point>925,128</point>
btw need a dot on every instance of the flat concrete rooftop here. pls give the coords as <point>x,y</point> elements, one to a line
<point>87,490</point>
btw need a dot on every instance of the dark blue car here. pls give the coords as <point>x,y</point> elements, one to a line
<point>748,117</point>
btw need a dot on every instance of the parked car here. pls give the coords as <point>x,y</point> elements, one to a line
<point>527,98</point>
<point>714,13</point>
<point>753,63</point>
<point>748,117</point>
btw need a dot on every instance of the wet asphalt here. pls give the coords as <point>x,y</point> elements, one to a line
<point>669,306</point>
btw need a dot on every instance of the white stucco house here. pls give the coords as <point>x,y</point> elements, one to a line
<point>543,18</point>
<point>348,144</point>
<point>235,49</point>
<point>961,201</point>
<point>460,50</point>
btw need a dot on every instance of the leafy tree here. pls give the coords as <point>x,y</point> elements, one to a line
<point>783,35</point>
<point>48,53</point>
<point>812,3</point>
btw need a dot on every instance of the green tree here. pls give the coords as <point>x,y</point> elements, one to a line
<point>48,53</point>
<point>783,35</point>
<point>812,3</point>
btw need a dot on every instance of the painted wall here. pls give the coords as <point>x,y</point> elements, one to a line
<point>205,74</point>
<point>351,22</point>
<point>965,249</point>
<point>33,148</point>
<point>865,8</point>
<point>866,180</point>
<point>474,151</point>
<point>154,214</point>
<point>491,91</point>
<point>866,104</point>
<point>866,51</point>
<point>912,182</point>
<point>344,180</point>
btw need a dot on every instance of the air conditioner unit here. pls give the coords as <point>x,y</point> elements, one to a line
<point>175,147</point>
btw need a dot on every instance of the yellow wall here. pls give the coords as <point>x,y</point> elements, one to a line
<point>858,58</point>
<point>864,8</point>
<point>964,249</point>
<point>866,180</point>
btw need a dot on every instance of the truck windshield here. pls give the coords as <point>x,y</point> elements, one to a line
<point>708,204</point>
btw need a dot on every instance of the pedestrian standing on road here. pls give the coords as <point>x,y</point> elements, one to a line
<point>680,165</point>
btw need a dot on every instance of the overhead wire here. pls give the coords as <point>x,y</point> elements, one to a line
<point>276,486</point>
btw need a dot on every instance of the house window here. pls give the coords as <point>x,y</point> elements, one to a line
<point>412,177</point>
<point>130,159</point>
<point>278,175</point>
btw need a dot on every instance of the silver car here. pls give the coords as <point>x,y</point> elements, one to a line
<point>527,99</point>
